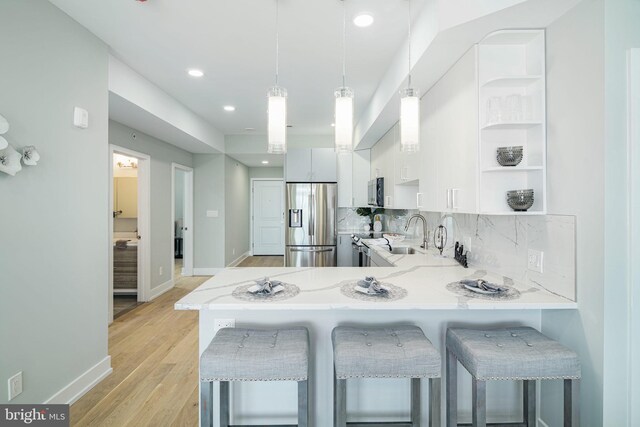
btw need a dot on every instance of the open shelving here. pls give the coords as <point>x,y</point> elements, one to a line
<point>512,62</point>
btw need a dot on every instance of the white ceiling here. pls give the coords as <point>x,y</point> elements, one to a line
<point>233,42</point>
<point>254,160</point>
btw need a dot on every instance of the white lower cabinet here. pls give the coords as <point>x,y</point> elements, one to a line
<point>344,250</point>
<point>378,261</point>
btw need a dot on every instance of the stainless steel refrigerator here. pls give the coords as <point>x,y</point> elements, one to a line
<point>311,233</point>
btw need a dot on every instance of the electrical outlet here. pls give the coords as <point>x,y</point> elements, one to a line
<point>224,323</point>
<point>160,271</point>
<point>15,385</point>
<point>535,260</point>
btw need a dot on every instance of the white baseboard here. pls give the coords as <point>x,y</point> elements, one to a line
<point>159,290</point>
<point>241,258</point>
<point>206,271</point>
<point>81,385</point>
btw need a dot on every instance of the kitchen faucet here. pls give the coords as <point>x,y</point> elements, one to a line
<point>425,235</point>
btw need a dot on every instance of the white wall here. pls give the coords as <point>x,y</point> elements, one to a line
<point>54,216</point>
<point>266,172</point>
<point>237,208</point>
<point>162,155</point>
<point>575,147</point>
<point>621,344</point>
<point>209,233</point>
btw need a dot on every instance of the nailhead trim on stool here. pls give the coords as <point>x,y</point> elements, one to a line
<point>237,354</point>
<point>386,352</point>
<point>519,353</point>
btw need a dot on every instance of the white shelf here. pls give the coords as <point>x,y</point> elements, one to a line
<point>512,169</point>
<point>511,81</point>
<point>514,213</point>
<point>511,125</point>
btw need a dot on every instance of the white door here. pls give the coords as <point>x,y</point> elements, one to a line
<point>268,217</point>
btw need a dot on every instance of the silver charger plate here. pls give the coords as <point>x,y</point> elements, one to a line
<point>509,293</point>
<point>395,292</point>
<point>242,293</point>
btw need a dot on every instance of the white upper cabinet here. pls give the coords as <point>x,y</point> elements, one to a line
<point>298,165</point>
<point>323,165</point>
<point>449,142</point>
<point>311,165</point>
<point>353,177</point>
<point>361,173</point>
<point>494,96</point>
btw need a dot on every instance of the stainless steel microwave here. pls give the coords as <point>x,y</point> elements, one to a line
<point>376,192</point>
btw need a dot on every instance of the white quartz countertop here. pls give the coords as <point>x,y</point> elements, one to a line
<point>423,275</point>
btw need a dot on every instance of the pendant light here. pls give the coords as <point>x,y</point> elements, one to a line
<point>277,108</point>
<point>409,110</point>
<point>344,100</point>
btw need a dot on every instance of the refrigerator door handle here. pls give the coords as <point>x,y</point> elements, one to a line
<point>311,250</point>
<point>312,221</point>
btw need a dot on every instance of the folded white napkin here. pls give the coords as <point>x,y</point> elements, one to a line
<point>371,286</point>
<point>266,287</point>
<point>482,286</point>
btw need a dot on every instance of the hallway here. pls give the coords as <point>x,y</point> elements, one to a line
<point>155,367</point>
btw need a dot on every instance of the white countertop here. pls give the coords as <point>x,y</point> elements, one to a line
<point>423,275</point>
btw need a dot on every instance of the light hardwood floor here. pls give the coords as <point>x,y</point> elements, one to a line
<point>154,354</point>
<point>262,261</point>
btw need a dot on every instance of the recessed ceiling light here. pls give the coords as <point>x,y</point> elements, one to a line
<point>265,162</point>
<point>363,20</point>
<point>195,72</point>
<point>229,108</point>
<point>249,129</point>
<point>333,125</point>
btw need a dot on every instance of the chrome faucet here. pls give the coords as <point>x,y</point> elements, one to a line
<point>425,234</point>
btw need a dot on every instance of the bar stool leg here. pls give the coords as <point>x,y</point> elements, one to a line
<point>571,407</point>
<point>452,390</point>
<point>529,402</point>
<point>224,404</point>
<point>206,400</point>
<point>339,402</point>
<point>303,403</point>
<point>415,402</point>
<point>479,398</point>
<point>434,402</point>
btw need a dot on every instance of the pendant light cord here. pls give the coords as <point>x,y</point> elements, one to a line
<point>409,79</point>
<point>277,39</point>
<point>344,41</point>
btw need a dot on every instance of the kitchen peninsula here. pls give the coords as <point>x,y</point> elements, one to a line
<point>321,299</point>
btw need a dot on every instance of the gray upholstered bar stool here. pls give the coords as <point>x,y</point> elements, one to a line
<point>388,352</point>
<point>519,353</point>
<point>237,354</point>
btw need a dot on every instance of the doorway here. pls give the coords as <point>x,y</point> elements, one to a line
<point>129,206</point>
<point>267,216</point>
<point>182,220</point>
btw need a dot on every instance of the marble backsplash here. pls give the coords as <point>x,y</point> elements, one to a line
<point>393,220</point>
<point>500,244</point>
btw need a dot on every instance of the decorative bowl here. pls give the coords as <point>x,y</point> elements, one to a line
<point>509,156</point>
<point>520,200</point>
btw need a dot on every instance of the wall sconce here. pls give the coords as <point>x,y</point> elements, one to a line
<point>10,161</point>
<point>10,158</point>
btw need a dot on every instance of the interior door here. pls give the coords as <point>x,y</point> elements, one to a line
<point>268,217</point>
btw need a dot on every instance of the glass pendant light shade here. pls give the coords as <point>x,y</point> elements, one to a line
<point>409,120</point>
<point>344,120</point>
<point>277,127</point>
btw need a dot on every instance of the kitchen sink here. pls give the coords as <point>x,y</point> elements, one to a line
<point>404,250</point>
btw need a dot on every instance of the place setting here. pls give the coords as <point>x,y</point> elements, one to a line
<point>371,289</point>
<point>266,290</point>
<point>483,289</point>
